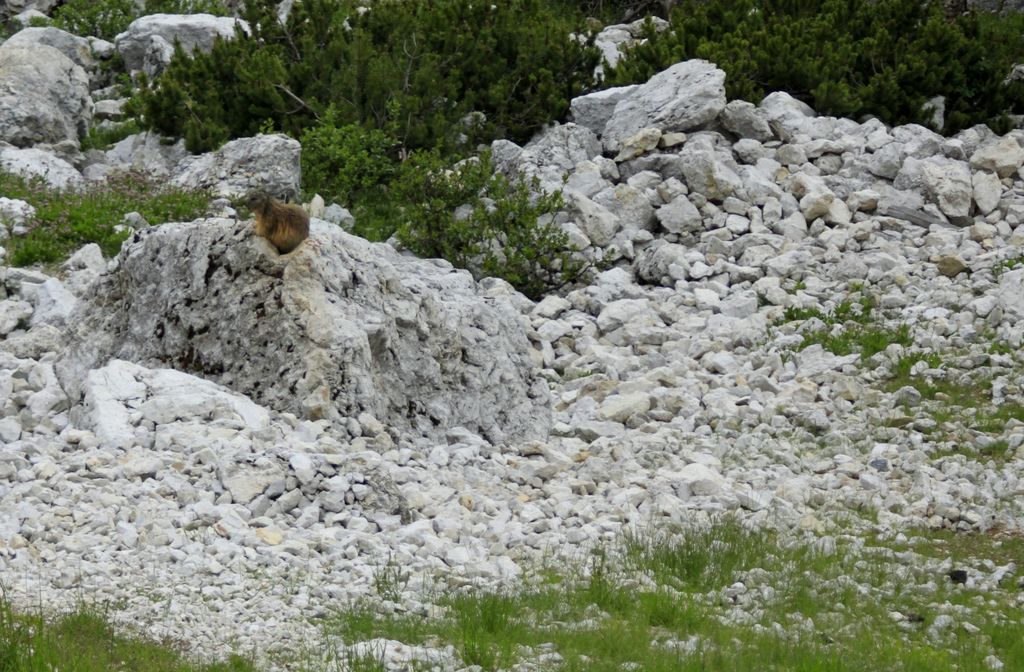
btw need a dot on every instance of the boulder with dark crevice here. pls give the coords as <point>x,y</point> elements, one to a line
<point>338,327</point>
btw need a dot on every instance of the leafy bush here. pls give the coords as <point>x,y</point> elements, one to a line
<point>347,163</point>
<point>66,220</point>
<point>847,57</point>
<point>479,220</point>
<point>412,69</point>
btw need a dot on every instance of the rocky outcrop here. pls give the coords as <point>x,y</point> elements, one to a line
<point>338,328</point>
<point>44,96</point>
<point>75,48</point>
<point>266,162</point>
<point>32,162</point>
<point>148,43</point>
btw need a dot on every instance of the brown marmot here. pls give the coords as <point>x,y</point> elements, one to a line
<point>285,225</point>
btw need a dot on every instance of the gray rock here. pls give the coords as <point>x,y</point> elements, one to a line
<point>12,314</point>
<point>683,97</point>
<point>266,162</point>
<point>679,216</point>
<point>1003,157</point>
<point>987,191</point>
<point>746,121</point>
<point>44,96</point>
<point>338,326</point>
<point>12,7</point>
<point>148,43</point>
<point>145,153</point>
<point>947,183</point>
<point>54,303</point>
<point>597,222</point>
<point>595,109</point>
<point>554,153</point>
<point>1011,293</point>
<point>786,112</point>
<point>75,48</point>
<point>32,162</point>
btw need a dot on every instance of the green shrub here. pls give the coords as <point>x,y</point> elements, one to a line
<point>847,57</point>
<point>347,163</point>
<point>107,18</point>
<point>499,230</point>
<point>66,220</point>
<point>101,18</point>
<point>412,69</point>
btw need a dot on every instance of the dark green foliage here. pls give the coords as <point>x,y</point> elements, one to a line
<point>847,57</point>
<point>101,18</point>
<point>347,163</point>
<point>499,230</point>
<point>412,69</point>
<point>66,220</point>
<point>107,18</point>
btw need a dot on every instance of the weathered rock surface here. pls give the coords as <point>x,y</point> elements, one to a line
<point>339,327</point>
<point>680,98</point>
<point>265,162</point>
<point>75,48</point>
<point>32,162</point>
<point>148,43</point>
<point>44,96</point>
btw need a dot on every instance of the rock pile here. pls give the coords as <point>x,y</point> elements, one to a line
<point>377,408</point>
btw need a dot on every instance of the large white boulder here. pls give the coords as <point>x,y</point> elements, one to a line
<point>148,43</point>
<point>337,328</point>
<point>685,96</point>
<point>44,96</point>
<point>76,48</point>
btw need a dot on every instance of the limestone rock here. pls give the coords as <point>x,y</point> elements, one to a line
<point>947,183</point>
<point>144,152</point>
<point>75,48</point>
<point>1011,293</point>
<point>595,109</point>
<point>153,37</point>
<point>1003,157</point>
<point>746,121</point>
<point>32,162</point>
<point>987,191</point>
<point>338,327</point>
<point>265,162</point>
<point>44,96</point>
<point>683,97</point>
<point>554,152</point>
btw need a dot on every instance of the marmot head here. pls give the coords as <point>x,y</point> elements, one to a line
<point>258,200</point>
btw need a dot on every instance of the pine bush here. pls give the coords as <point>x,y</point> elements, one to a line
<point>412,69</point>
<point>855,58</point>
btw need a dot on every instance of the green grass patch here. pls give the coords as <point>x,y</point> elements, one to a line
<point>717,597</point>
<point>104,138</point>
<point>958,396</point>
<point>851,327</point>
<point>67,219</point>
<point>84,641</point>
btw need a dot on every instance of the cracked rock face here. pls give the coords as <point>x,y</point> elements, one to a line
<point>339,327</point>
<point>44,96</point>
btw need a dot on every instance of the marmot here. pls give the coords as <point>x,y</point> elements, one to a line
<point>285,225</point>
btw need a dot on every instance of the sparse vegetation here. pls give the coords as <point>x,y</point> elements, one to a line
<point>850,327</point>
<point>67,219</point>
<point>719,597</point>
<point>84,641</point>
